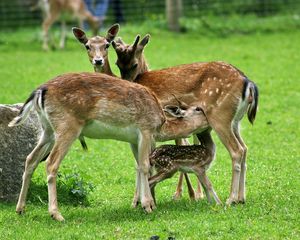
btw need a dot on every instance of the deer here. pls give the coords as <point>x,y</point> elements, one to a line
<point>97,48</point>
<point>100,106</point>
<point>53,9</point>
<point>166,160</point>
<point>223,91</point>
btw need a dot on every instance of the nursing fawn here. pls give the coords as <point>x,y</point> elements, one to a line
<point>169,159</point>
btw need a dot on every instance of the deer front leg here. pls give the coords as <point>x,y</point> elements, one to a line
<point>135,201</point>
<point>62,35</point>
<point>179,189</point>
<point>145,141</point>
<point>208,188</point>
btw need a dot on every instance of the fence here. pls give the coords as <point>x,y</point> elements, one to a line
<point>17,13</point>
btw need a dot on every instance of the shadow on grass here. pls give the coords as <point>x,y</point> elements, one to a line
<point>170,207</point>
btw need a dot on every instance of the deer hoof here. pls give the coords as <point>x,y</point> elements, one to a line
<point>149,206</point>
<point>177,196</point>
<point>231,201</point>
<point>20,210</point>
<point>57,217</point>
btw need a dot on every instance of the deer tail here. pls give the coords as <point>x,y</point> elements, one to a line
<point>253,101</point>
<point>35,100</point>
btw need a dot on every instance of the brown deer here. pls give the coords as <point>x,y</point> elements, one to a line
<point>52,10</point>
<point>97,47</point>
<point>168,159</point>
<point>222,91</point>
<point>99,106</point>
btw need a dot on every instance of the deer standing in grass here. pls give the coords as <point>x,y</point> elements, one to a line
<point>101,107</point>
<point>221,90</point>
<point>53,9</point>
<point>168,159</point>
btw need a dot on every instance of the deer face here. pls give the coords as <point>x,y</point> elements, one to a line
<point>97,47</point>
<point>130,59</point>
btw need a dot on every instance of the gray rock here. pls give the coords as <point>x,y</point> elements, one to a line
<point>15,144</point>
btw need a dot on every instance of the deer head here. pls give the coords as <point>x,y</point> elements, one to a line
<point>97,47</point>
<point>130,57</point>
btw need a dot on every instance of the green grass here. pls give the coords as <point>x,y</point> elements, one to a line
<point>273,178</point>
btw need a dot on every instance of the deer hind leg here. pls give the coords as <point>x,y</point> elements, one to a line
<point>236,152</point>
<point>242,183</point>
<point>63,141</point>
<point>39,152</point>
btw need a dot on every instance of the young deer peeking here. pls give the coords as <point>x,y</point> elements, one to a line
<point>221,90</point>
<point>97,48</point>
<point>102,107</point>
<point>168,159</point>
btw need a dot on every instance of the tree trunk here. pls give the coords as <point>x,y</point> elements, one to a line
<point>173,13</point>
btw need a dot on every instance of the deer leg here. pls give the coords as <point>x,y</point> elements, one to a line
<point>159,177</point>
<point>63,141</point>
<point>145,142</point>
<point>236,152</point>
<point>135,201</point>
<point>178,194</point>
<point>38,153</point>
<point>47,23</point>
<point>208,188</point>
<point>242,183</point>
<point>62,35</point>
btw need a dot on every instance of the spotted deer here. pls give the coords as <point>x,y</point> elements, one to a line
<point>97,47</point>
<point>99,106</point>
<point>221,90</point>
<point>169,159</point>
<point>53,9</point>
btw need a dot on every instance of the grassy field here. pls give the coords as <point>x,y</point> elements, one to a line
<point>273,180</point>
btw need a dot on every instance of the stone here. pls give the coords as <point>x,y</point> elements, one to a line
<point>15,144</point>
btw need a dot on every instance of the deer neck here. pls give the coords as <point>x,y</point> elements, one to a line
<point>105,68</point>
<point>143,65</point>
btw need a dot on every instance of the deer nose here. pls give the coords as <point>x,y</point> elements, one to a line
<point>98,61</point>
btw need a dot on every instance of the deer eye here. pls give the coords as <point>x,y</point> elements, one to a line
<point>134,66</point>
<point>87,47</point>
<point>198,109</point>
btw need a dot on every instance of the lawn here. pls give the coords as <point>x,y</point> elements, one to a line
<point>272,210</point>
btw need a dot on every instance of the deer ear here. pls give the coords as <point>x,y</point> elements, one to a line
<point>174,111</point>
<point>112,32</point>
<point>80,35</point>
<point>144,41</point>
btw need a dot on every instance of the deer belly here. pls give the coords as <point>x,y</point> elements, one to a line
<point>186,169</point>
<point>100,130</point>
